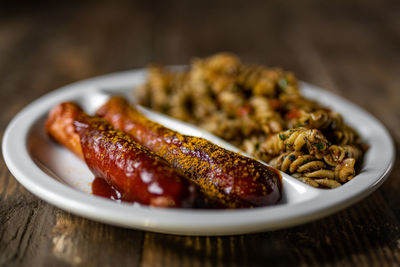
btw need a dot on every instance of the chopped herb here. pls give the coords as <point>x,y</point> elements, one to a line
<point>282,136</point>
<point>283,83</point>
<point>299,125</point>
<point>320,146</point>
<point>292,157</point>
<point>257,146</point>
<point>306,161</point>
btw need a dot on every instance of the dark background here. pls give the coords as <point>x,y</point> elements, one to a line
<point>351,48</point>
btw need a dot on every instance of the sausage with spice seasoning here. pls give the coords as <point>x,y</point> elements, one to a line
<point>234,179</point>
<point>136,172</point>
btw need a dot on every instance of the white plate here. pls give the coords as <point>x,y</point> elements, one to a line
<point>55,175</point>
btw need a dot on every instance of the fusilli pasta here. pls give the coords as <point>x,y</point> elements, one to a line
<point>260,110</point>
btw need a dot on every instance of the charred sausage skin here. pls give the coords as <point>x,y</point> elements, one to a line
<point>236,180</point>
<point>136,172</point>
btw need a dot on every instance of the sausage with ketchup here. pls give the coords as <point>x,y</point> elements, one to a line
<point>136,172</point>
<point>235,180</point>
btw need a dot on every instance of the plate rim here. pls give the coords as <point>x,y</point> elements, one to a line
<point>14,146</point>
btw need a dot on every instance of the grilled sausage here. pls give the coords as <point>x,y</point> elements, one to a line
<point>234,179</point>
<point>136,172</point>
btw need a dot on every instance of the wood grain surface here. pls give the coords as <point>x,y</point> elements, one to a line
<point>351,48</point>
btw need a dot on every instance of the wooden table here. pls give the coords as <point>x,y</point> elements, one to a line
<point>351,48</point>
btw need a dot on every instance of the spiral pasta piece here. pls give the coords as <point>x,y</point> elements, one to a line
<point>270,121</point>
<point>260,80</point>
<point>292,162</point>
<point>322,173</point>
<point>346,136</point>
<point>320,119</point>
<point>345,171</point>
<point>327,183</point>
<point>337,154</point>
<point>308,181</point>
<point>297,139</point>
